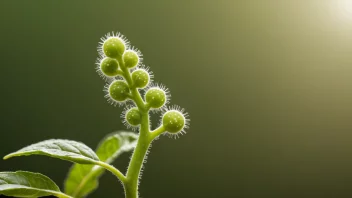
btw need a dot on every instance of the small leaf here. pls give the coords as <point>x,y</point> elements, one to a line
<point>114,144</point>
<point>62,149</point>
<point>83,179</point>
<point>27,184</point>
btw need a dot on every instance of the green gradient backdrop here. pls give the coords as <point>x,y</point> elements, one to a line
<point>267,84</point>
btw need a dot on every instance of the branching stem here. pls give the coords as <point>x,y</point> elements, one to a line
<point>131,180</point>
<point>157,132</point>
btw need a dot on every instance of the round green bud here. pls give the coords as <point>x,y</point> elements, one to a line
<point>133,117</point>
<point>130,58</point>
<point>140,78</point>
<point>109,66</point>
<point>114,47</point>
<point>173,121</point>
<point>119,90</point>
<point>155,97</point>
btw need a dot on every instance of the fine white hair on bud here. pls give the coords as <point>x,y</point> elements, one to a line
<point>132,57</point>
<point>145,68</point>
<point>175,121</point>
<point>157,96</point>
<point>98,70</point>
<point>117,92</point>
<point>141,77</point>
<point>106,69</point>
<point>131,117</point>
<point>113,45</point>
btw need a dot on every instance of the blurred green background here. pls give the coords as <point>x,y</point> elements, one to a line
<point>267,84</point>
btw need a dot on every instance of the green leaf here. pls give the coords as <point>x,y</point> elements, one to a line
<point>83,179</point>
<point>62,149</point>
<point>27,184</point>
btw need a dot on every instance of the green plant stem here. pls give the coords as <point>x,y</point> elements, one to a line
<point>130,182</point>
<point>112,169</point>
<point>136,163</point>
<point>136,97</point>
<point>144,139</point>
<point>156,132</point>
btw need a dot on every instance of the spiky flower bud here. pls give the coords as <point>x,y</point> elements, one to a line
<point>133,117</point>
<point>173,121</point>
<point>119,90</point>
<point>155,97</point>
<point>109,66</point>
<point>131,58</point>
<point>114,47</point>
<point>140,78</point>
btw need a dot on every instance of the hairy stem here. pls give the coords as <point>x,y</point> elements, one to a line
<point>136,163</point>
<point>156,132</point>
<point>134,169</point>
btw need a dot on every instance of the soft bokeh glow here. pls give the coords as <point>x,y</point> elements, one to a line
<point>268,85</point>
<point>346,8</point>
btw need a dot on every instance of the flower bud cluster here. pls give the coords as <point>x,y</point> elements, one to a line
<point>121,66</point>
